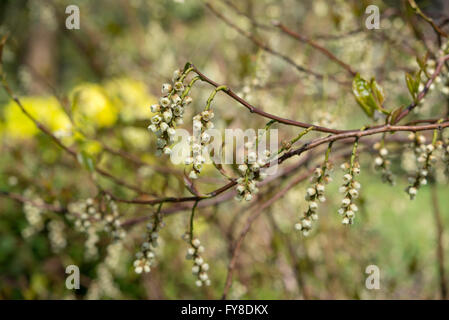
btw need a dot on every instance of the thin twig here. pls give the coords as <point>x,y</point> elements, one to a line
<point>246,228</point>
<point>270,50</point>
<point>315,45</point>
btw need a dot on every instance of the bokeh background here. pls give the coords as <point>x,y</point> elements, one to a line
<point>103,77</point>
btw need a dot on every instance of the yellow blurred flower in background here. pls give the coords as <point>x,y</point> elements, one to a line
<point>91,105</point>
<point>45,109</point>
<point>131,97</point>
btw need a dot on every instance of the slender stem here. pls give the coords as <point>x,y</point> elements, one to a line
<point>159,207</point>
<point>315,45</point>
<point>189,86</point>
<point>354,152</point>
<point>184,75</point>
<point>267,126</point>
<point>418,11</point>
<point>328,152</point>
<point>324,166</point>
<point>435,133</point>
<point>192,216</point>
<point>291,142</point>
<point>213,94</point>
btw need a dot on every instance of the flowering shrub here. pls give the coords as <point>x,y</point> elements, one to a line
<point>120,179</point>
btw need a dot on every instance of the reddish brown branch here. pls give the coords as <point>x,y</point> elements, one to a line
<point>423,93</point>
<point>43,205</point>
<point>253,109</point>
<point>359,134</point>
<point>270,50</point>
<point>315,45</point>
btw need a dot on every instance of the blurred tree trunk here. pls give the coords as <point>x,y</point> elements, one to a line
<point>41,56</point>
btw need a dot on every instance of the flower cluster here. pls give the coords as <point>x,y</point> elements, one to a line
<point>424,159</point>
<point>382,164</point>
<point>104,285</point>
<point>83,212</point>
<point>314,195</point>
<point>56,235</point>
<point>350,189</point>
<point>200,267</point>
<point>113,224</point>
<point>169,112</point>
<point>107,271</point>
<point>91,243</point>
<point>85,216</point>
<point>33,213</point>
<point>145,257</point>
<point>90,217</point>
<point>199,142</point>
<point>251,171</point>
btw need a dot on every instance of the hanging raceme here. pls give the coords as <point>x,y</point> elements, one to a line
<point>33,214</point>
<point>194,253</point>
<point>91,216</point>
<point>425,159</point>
<point>113,224</point>
<point>250,173</point>
<point>83,212</point>
<point>170,109</point>
<point>199,142</point>
<point>146,255</point>
<point>315,194</point>
<point>382,163</point>
<point>350,187</point>
<point>252,170</point>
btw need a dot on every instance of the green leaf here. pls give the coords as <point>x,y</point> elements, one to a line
<point>413,83</point>
<point>395,114</point>
<point>422,61</point>
<point>417,80</point>
<point>378,93</point>
<point>410,84</point>
<point>86,161</point>
<point>363,95</point>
